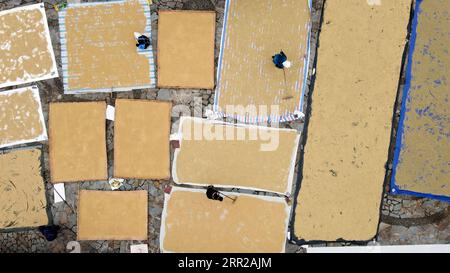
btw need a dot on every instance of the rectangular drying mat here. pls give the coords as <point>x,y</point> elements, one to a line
<point>141,139</point>
<point>77,141</point>
<point>26,53</point>
<point>349,130</point>
<point>186,49</point>
<point>252,224</point>
<point>112,215</point>
<point>422,155</point>
<point>241,156</point>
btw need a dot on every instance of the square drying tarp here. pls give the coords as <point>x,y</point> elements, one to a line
<point>249,86</point>
<point>343,170</point>
<point>98,47</point>
<point>21,117</point>
<point>26,53</point>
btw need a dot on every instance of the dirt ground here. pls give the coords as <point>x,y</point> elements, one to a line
<point>404,220</point>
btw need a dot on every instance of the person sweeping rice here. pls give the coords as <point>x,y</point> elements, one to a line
<point>280,60</point>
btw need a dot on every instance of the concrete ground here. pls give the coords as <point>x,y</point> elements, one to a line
<point>404,220</point>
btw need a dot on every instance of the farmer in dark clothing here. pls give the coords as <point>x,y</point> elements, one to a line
<point>280,60</point>
<point>142,41</point>
<point>213,194</point>
<point>49,232</point>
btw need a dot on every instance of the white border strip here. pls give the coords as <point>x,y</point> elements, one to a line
<point>35,91</point>
<point>290,181</point>
<point>167,197</point>
<point>53,73</point>
<point>105,90</point>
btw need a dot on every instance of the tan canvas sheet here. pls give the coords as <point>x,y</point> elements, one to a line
<point>186,49</point>
<point>21,118</point>
<point>22,190</point>
<point>424,161</point>
<point>141,139</point>
<point>255,31</point>
<point>101,48</point>
<point>235,156</point>
<point>358,68</point>
<point>193,223</point>
<point>26,53</point>
<point>77,141</point>
<point>112,215</point>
